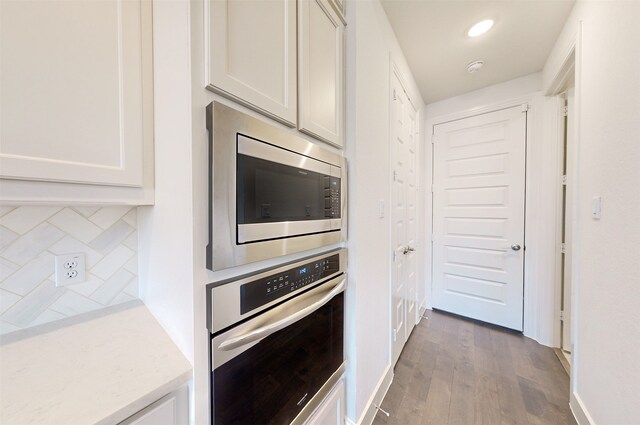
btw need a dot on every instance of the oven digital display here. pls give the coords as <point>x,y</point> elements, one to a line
<point>263,291</point>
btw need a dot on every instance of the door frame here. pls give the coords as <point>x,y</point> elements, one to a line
<point>540,302</point>
<point>564,68</point>
<point>563,61</point>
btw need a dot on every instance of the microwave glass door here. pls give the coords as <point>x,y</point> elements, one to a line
<point>270,192</point>
<point>272,381</point>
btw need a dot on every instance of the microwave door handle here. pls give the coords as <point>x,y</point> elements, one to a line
<point>264,331</point>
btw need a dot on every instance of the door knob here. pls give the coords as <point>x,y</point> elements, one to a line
<point>515,247</point>
<point>407,250</point>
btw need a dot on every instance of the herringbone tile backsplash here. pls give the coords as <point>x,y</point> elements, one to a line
<point>30,238</point>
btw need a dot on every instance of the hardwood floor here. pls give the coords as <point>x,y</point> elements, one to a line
<point>456,371</point>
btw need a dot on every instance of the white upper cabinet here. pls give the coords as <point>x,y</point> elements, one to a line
<point>76,93</point>
<point>321,71</point>
<point>252,57</point>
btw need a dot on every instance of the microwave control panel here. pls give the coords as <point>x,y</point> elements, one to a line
<point>331,197</point>
<point>263,291</point>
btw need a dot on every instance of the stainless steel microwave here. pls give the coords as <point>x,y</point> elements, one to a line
<point>272,193</point>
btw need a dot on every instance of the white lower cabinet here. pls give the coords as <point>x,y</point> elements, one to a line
<point>331,411</point>
<point>172,409</point>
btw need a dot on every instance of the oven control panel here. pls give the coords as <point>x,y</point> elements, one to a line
<point>263,291</point>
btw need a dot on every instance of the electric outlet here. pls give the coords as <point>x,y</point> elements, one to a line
<point>70,269</point>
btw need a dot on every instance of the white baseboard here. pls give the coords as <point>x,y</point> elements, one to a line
<point>579,411</point>
<point>370,410</point>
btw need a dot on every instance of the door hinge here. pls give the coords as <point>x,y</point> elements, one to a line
<point>565,111</point>
<point>433,139</point>
<point>564,180</point>
<point>563,248</point>
<point>562,315</point>
<point>395,175</point>
<point>394,94</point>
<point>395,335</point>
<point>432,188</point>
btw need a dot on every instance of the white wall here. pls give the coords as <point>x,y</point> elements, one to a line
<point>606,371</point>
<point>166,229</point>
<point>477,99</point>
<point>370,44</point>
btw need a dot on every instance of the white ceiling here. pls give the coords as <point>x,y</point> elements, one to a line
<point>433,37</point>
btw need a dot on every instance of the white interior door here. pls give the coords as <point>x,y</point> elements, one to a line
<point>403,216</point>
<point>478,216</point>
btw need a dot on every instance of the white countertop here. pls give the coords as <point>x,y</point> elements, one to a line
<point>97,371</point>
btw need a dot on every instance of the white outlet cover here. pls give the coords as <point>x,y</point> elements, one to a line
<point>62,277</point>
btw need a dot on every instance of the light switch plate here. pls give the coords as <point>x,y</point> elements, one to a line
<point>596,208</point>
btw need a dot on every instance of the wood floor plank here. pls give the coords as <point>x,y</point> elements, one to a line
<point>438,399</point>
<point>520,356</point>
<point>439,395</point>
<point>487,405</point>
<point>512,408</point>
<point>390,404</point>
<point>482,338</point>
<point>410,412</point>
<point>456,371</point>
<point>462,406</point>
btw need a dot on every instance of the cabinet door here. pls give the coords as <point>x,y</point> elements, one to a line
<point>172,409</point>
<point>74,100</point>
<point>252,57</point>
<point>321,71</point>
<point>331,411</point>
<point>339,7</point>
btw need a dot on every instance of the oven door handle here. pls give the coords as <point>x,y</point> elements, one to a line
<point>264,331</point>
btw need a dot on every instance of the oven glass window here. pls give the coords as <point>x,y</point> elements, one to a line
<point>271,192</point>
<point>271,382</point>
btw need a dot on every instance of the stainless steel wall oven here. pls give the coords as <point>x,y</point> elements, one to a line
<point>277,341</point>
<point>272,192</point>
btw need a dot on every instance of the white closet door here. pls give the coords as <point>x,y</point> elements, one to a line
<point>478,217</point>
<point>403,217</point>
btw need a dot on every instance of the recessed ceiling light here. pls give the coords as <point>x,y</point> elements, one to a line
<point>474,66</point>
<point>480,28</point>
